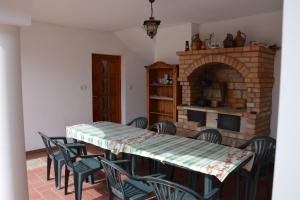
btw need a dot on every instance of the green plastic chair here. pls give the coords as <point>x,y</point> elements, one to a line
<point>57,156</point>
<point>264,149</point>
<point>167,190</point>
<point>128,188</point>
<point>139,122</point>
<point>82,169</point>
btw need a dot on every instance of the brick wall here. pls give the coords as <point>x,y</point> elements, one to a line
<point>248,72</point>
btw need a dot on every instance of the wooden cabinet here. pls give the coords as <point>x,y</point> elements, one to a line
<point>163,92</point>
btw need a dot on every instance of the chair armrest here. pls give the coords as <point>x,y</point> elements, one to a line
<point>64,139</point>
<point>191,137</point>
<point>153,128</point>
<point>98,156</point>
<point>244,146</point>
<point>158,175</point>
<point>129,123</point>
<point>75,145</point>
<point>121,162</point>
<point>195,136</point>
<point>79,148</point>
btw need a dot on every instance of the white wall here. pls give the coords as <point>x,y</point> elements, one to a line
<point>286,176</point>
<point>56,62</point>
<point>138,42</point>
<point>169,40</point>
<point>263,27</point>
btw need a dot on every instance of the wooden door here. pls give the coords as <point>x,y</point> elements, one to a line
<point>106,88</point>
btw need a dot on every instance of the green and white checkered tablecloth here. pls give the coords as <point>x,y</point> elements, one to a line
<point>196,155</point>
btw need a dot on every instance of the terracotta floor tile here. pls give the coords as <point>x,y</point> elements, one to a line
<point>41,189</point>
<point>33,194</point>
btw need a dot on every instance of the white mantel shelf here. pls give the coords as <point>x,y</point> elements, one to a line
<point>219,110</point>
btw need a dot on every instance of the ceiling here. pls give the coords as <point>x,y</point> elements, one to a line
<point>113,15</point>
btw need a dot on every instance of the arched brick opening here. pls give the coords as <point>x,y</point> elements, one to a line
<point>227,60</point>
<point>236,89</point>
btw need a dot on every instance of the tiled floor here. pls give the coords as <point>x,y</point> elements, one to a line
<point>41,189</point>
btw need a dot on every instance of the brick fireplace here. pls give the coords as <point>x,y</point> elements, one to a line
<point>239,79</point>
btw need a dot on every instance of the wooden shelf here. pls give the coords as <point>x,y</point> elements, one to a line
<point>161,113</point>
<point>161,98</point>
<point>161,85</point>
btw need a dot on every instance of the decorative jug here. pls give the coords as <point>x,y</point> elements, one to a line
<point>240,39</point>
<point>196,42</point>
<point>228,42</point>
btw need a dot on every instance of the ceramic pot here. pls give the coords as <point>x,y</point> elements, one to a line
<point>214,103</point>
<point>203,102</point>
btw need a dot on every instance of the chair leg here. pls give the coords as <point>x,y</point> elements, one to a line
<point>110,195</point>
<point>107,154</point>
<point>237,187</point>
<point>67,173</point>
<point>55,173</point>
<point>269,196</point>
<point>221,190</point>
<point>91,179</point>
<point>254,187</point>
<point>78,186</point>
<point>171,171</point>
<point>58,171</point>
<point>218,196</point>
<point>49,161</point>
<point>156,166</point>
<point>248,189</point>
<point>194,180</point>
<point>150,163</point>
<point>124,156</point>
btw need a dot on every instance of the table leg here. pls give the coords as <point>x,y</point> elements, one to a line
<point>107,154</point>
<point>133,164</point>
<point>193,180</point>
<point>207,185</point>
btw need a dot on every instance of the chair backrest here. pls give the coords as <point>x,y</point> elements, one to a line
<point>140,122</point>
<point>209,135</point>
<point>167,190</point>
<point>113,175</point>
<point>66,153</point>
<point>164,127</point>
<point>264,148</point>
<point>47,142</point>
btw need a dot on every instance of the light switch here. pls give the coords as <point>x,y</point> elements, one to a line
<point>83,87</point>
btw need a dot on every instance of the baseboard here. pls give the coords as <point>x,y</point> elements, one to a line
<point>43,150</point>
<point>36,151</point>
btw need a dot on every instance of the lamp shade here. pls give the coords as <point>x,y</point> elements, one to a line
<point>151,26</point>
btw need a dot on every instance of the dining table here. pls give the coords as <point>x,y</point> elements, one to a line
<point>212,160</point>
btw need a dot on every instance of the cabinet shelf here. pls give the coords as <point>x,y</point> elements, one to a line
<point>161,113</point>
<point>161,98</point>
<point>161,85</point>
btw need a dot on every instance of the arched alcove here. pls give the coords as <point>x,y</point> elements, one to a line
<point>220,82</point>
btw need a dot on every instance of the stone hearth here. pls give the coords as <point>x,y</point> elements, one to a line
<point>247,75</point>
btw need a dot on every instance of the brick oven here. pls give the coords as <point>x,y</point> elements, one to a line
<point>239,80</point>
